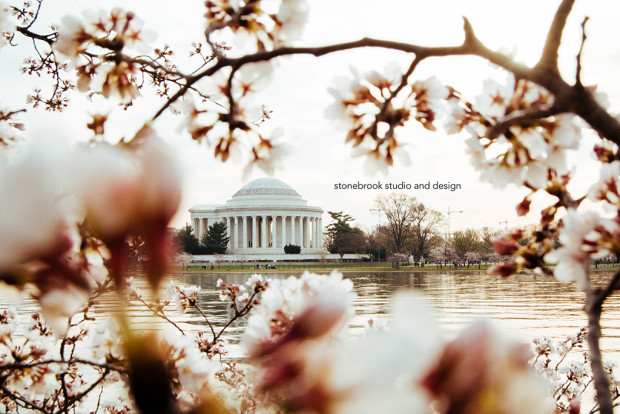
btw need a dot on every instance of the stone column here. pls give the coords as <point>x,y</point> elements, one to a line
<point>304,231</point>
<point>236,232</point>
<point>283,221</point>
<point>264,238</point>
<point>254,232</point>
<point>321,233</point>
<point>228,231</point>
<point>318,229</point>
<point>245,231</point>
<point>315,233</point>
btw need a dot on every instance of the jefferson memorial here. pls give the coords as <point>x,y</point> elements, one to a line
<point>262,217</point>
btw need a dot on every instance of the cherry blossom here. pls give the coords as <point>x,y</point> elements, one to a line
<point>291,20</point>
<point>480,372</point>
<point>6,23</point>
<point>583,237</point>
<point>523,153</point>
<point>608,187</point>
<point>36,219</point>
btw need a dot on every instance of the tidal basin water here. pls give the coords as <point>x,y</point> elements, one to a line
<point>523,306</point>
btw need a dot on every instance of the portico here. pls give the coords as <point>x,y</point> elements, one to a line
<point>262,217</point>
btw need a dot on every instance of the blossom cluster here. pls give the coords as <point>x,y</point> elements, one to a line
<point>66,231</point>
<point>111,32</point>
<point>7,26</point>
<point>523,151</point>
<point>565,364</point>
<point>253,20</point>
<point>301,359</point>
<point>374,107</point>
<point>306,363</point>
<point>584,236</point>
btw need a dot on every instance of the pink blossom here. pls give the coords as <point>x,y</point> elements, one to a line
<point>608,187</point>
<point>582,237</point>
<point>38,211</point>
<point>479,372</point>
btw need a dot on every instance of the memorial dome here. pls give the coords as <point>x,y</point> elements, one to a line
<point>262,217</point>
<point>266,186</point>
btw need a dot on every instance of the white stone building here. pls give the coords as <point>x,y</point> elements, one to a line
<point>262,217</point>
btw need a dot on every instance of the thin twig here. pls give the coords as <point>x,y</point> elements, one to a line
<point>18,366</point>
<point>583,41</point>
<point>160,314</point>
<point>27,403</point>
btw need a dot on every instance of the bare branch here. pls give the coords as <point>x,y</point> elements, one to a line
<point>18,366</point>
<point>520,117</point>
<point>583,41</point>
<point>601,381</point>
<point>27,404</point>
<point>612,286</point>
<point>549,59</point>
<point>49,38</point>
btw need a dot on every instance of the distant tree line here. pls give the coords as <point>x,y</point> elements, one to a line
<point>412,230</point>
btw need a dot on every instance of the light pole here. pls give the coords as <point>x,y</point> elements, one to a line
<point>449,212</point>
<point>378,212</point>
<point>504,222</point>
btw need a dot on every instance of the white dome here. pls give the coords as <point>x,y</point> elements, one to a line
<point>266,186</point>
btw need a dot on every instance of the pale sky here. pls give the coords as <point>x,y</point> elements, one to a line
<point>298,98</point>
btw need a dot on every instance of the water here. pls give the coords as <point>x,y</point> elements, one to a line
<point>524,306</point>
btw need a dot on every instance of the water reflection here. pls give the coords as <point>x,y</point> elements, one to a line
<point>524,306</point>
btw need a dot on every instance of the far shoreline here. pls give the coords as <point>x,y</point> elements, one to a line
<point>353,269</point>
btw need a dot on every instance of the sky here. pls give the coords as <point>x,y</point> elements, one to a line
<point>319,159</point>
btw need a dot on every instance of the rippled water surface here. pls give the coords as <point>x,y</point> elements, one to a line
<point>524,306</point>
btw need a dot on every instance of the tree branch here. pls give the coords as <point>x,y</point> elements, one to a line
<point>601,382</point>
<point>21,399</point>
<point>613,285</point>
<point>519,117</point>
<point>583,42</point>
<point>49,39</point>
<point>549,59</point>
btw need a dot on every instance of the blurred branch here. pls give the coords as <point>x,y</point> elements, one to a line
<point>549,59</point>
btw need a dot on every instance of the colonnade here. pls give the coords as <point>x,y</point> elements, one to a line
<point>262,231</point>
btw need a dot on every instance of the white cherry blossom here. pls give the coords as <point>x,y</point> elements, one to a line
<point>292,16</point>
<point>6,22</point>
<point>38,210</point>
<point>608,187</point>
<point>580,237</point>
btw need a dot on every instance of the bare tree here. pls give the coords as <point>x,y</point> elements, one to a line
<point>399,211</point>
<point>425,226</point>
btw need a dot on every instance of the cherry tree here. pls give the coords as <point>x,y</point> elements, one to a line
<point>518,131</point>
